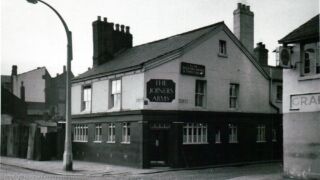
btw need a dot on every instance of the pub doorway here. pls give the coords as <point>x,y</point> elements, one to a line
<point>159,146</point>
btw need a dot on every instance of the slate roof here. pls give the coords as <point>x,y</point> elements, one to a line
<point>138,55</point>
<point>307,31</point>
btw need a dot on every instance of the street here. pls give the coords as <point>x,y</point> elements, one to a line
<point>271,171</point>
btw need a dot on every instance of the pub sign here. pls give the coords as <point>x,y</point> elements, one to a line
<point>192,69</point>
<point>161,90</point>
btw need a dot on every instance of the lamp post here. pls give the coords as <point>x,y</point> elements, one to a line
<point>67,155</point>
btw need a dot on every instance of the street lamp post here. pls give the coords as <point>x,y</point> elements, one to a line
<point>67,155</point>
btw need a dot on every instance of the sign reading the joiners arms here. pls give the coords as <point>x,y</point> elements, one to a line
<point>161,90</point>
<point>192,69</point>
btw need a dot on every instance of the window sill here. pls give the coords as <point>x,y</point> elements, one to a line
<point>97,141</point>
<point>309,77</point>
<point>218,143</point>
<point>80,141</point>
<point>111,142</point>
<point>223,55</point>
<point>125,142</point>
<point>194,143</point>
<point>261,141</point>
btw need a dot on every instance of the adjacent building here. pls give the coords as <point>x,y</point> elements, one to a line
<point>43,99</point>
<point>196,98</point>
<point>300,56</point>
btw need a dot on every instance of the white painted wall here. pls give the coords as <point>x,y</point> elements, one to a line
<point>132,92</point>
<point>301,128</point>
<point>34,85</point>
<point>100,92</point>
<point>220,72</point>
<point>76,98</point>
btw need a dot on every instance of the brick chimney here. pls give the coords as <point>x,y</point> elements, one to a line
<point>22,92</point>
<point>108,40</point>
<point>243,25</point>
<point>14,70</point>
<point>261,54</point>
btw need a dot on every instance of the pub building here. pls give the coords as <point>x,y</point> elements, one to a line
<point>193,99</point>
<point>300,56</point>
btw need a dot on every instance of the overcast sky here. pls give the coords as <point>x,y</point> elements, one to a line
<point>32,36</point>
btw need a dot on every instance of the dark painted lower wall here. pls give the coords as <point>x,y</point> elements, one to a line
<point>138,154</point>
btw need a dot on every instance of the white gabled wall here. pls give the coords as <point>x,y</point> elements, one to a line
<point>220,72</point>
<point>34,84</point>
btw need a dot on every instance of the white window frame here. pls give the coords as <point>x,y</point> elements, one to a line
<point>98,133</point>
<point>111,133</point>
<point>86,98</point>
<point>80,133</point>
<point>218,137</point>
<point>233,133</point>
<point>261,133</point>
<point>195,133</point>
<point>200,93</point>
<point>115,94</point>
<point>126,133</point>
<point>233,96</point>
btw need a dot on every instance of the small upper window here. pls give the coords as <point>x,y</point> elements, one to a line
<point>115,95</point>
<point>222,47</point>
<point>310,59</point>
<point>200,96</point>
<point>86,98</point>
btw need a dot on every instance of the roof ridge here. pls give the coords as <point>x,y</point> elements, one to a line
<point>187,32</point>
<point>33,70</point>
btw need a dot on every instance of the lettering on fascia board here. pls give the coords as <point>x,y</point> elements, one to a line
<point>305,102</point>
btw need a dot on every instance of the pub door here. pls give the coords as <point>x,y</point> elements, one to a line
<point>159,147</point>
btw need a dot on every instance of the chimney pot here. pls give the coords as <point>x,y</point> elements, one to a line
<point>127,29</point>
<point>99,18</point>
<point>117,27</point>
<point>122,28</point>
<point>105,19</point>
<point>239,5</point>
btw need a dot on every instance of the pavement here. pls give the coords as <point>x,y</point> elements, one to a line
<point>268,171</point>
<point>80,168</point>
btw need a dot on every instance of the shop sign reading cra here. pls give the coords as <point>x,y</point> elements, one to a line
<point>305,102</point>
<point>161,90</point>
